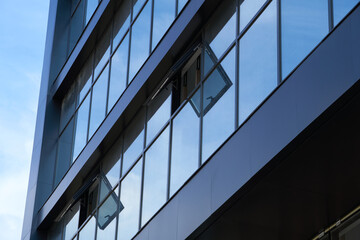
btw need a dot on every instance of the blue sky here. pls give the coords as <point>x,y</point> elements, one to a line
<point>22,40</point>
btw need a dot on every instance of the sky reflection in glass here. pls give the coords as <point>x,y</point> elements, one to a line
<point>185,146</point>
<point>258,62</point>
<point>130,197</point>
<point>155,176</point>
<point>218,121</point>
<point>303,25</point>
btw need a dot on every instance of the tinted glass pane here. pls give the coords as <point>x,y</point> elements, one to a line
<point>71,222</point>
<point>303,25</point>
<point>118,76</point>
<point>121,22</point>
<point>90,8</point>
<point>164,14</point>
<point>258,64</point>
<point>133,141</point>
<point>185,145</point>
<point>64,152</point>
<point>158,113</point>
<point>248,10</point>
<point>98,101</point>
<point>181,4</point>
<point>137,4</point>
<point>55,231</point>
<point>111,163</point>
<point>102,52</point>
<point>140,41</point>
<point>106,217</point>
<point>130,199</point>
<point>221,29</point>
<point>82,119</point>
<point>77,25</point>
<point>219,105</point>
<point>341,8</point>
<point>155,176</point>
<point>88,231</point>
<point>67,107</point>
<point>84,80</point>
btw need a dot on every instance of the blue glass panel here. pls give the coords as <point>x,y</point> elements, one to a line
<point>258,62</point>
<point>133,141</point>
<point>181,5</point>
<point>341,8</point>
<point>185,145</point>
<point>303,25</point>
<point>91,6</point>
<point>121,22</point>
<point>140,41</point>
<point>128,224</point>
<point>248,10</point>
<point>98,101</point>
<point>88,231</point>
<point>119,62</point>
<point>155,176</point>
<point>158,113</point>
<point>82,119</point>
<point>164,14</point>
<point>219,105</point>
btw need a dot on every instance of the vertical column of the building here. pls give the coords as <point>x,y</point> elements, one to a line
<point>46,131</point>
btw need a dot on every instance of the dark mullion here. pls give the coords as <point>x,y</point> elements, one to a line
<point>151,24</point>
<point>331,14</point>
<point>237,54</point>
<point>90,104</point>
<point>176,7</point>
<point>169,162</point>
<point>109,72</point>
<point>279,53</point>
<point>202,58</point>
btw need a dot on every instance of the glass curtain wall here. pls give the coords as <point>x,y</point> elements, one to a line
<point>121,51</point>
<point>73,17</point>
<point>240,62</point>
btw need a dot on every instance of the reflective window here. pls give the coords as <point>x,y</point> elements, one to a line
<point>137,4</point>
<point>77,25</point>
<point>91,6</point>
<point>118,75</point>
<point>185,145</point>
<point>111,163</point>
<point>220,31</point>
<point>55,232</point>
<point>121,22</point>
<point>341,8</point>
<point>102,52</point>
<point>140,40</point>
<point>82,119</point>
<point>98,101</point>
<point>155,176</point>
<point>258,62</point>
<point>248,10</point>
<point>303,25</point>
<point>88,231</point>
<point>71,222</point>
<point>164,14</point>
<point>181,4</point>
<point>133,141</point>
<point>67,107</point>
<point>84,80</point>
<point>130,198</point>
<point>219,105</point>
<point>158,113</point>
<point>64,152</point>
<point>106,217</point>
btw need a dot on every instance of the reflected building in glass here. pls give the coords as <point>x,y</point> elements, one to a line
<point>198,119</point>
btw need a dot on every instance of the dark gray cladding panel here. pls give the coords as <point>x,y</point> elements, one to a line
<point>329,71</point>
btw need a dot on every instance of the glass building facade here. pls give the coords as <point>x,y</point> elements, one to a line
<point>239,56</point>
